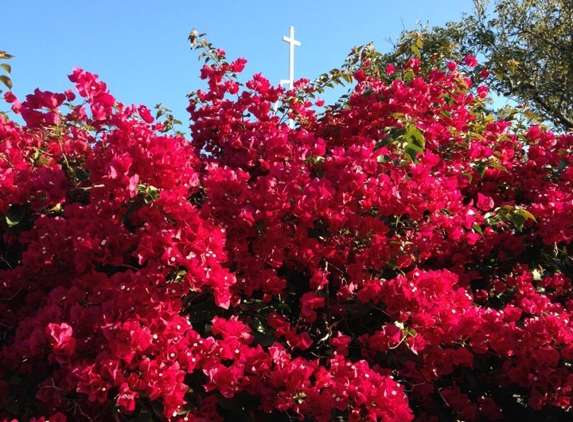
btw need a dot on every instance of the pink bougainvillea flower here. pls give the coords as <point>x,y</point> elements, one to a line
<point>61,340</point>
<point>470,61</point>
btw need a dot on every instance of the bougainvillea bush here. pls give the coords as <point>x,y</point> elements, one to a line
<point>398,256</point>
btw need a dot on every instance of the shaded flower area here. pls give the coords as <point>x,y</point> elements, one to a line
<point>399,256</point>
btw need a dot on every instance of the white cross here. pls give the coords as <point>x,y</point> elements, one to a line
<point>290,81</point>
<point>292,42</point>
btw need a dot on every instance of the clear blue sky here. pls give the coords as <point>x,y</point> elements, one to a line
<point>140,48</point>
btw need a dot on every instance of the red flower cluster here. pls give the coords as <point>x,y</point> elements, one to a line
<point>404,257</point>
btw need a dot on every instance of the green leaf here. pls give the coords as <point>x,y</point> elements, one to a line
<point>563,164</point>
<point>414,133</point>
<point>409,75</point>
<point>469,176</point>
<point>517,221</point>
<point>411,154</point>
<point>412,146</point>
<point>507,208</point>
<point>497,166</point>
<point>6,81</point>
<point>477,228</point>
<point>393,134</point>
<point>481,168</point>
<point>525,214</point>
<point>15,215</point>
<point>530,115</point>
<point>6,67</point>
